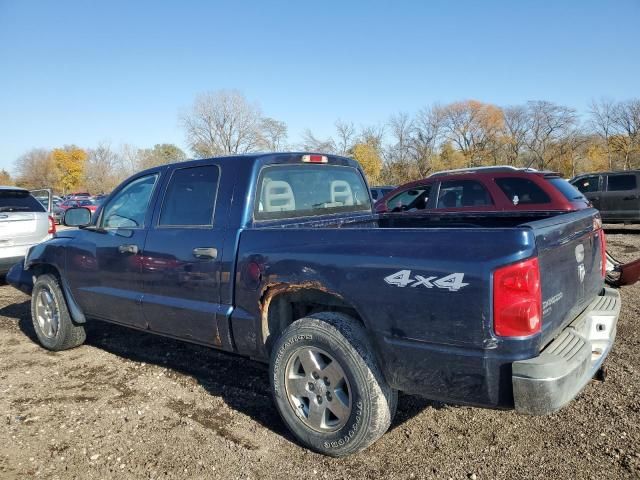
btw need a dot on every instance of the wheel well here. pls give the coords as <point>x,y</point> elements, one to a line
<point>285,307</point>
<point>42,268</point>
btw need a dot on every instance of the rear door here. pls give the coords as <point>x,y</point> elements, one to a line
<point>591,187</point>
<point>182,258</point>
<point>622,198</point>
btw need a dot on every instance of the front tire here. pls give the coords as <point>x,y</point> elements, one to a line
<point>328,387</point>
<point>51,320</point>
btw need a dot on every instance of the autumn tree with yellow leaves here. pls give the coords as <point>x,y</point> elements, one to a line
<point>70,162</point>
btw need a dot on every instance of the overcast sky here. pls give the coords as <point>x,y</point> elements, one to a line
<point>121,71</point>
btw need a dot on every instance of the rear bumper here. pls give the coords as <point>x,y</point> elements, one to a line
<point>549,381</point>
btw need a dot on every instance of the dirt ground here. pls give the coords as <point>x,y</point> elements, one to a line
<point>132,405</point>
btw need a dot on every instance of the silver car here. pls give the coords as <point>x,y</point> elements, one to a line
<point>24,222</point>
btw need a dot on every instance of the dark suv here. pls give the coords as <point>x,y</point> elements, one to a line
<point>615,194</point>
<point>485,189</point>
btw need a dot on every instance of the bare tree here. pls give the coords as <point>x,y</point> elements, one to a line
<point>273,135</point>
<point>311,143</point>
<point>104,169</point>
<point>428,126</point>
<point>222,122</point>
<point>36,169</point>
<point>515,131</point>
<point>626,118</point>
<point>603,123</point>
<point>473,127</point>
<point>346,136</point>
<point>372,135</point>
<point>549,123</point>
<point>401,129</point>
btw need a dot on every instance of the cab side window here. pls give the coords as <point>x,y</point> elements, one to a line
<point>129,207</point>
<point>522,191</point>
<point>463,193</point>
<point>617,183</point>
<point>412,199</point>
<point>190,198</point>
<point>588,184</point>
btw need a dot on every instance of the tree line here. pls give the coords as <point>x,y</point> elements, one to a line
<point>469,133</point>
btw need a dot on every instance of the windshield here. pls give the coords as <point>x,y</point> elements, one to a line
<point>289,191</point>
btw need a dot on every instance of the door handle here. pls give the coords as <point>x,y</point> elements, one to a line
<point>632,197</point>
<point>208,253</point>
<point>595,198</point>
<point>133,249</point>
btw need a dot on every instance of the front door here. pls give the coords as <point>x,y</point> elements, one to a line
<point>591,187</point>
<point>104,261</point>
<point>181,263</point>
<point>622,198</point>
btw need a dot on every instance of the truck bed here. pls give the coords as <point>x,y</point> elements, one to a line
<point>354,257</point>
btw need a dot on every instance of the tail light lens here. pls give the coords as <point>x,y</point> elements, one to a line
<point>52,226</point>
<point>517,299</point>
<point>603,252</point>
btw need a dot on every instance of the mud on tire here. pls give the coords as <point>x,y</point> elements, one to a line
<point>328,387</point>
<point>50,315</point>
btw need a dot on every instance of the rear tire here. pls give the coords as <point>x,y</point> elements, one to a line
<point>51,320</point>
<point>328,387</point>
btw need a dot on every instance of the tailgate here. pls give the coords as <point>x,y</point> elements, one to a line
<point>22,228</point>
<point>570,267</point>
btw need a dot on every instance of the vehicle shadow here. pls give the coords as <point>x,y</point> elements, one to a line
<point>243,384</point>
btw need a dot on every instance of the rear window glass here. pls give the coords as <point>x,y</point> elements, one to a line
<point>621,182</point>
<point>289,191</point>
<point>522,191</point>
<point>17,201</point>
<point>463,193</point>
<point>570,192</point>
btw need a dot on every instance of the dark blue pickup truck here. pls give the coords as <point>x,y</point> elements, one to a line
<point>279,257</point>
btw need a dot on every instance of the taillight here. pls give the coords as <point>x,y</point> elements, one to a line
<point>517,299</point>
<point>315,158</point>
<point>52,226</point>
<point>603,252</point>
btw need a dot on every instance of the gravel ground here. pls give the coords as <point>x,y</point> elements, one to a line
<point>131,405</point>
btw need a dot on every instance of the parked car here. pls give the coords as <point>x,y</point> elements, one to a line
<point>615,194</point>
<point>279,257</point>
<point>485,189</point>
<point>380,191</point>
<point>61,208</point>
<point>24,222</point>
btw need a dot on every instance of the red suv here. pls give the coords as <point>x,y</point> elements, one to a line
<point>485,189</point>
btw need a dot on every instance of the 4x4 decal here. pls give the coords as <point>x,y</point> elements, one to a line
<point>403,278</point>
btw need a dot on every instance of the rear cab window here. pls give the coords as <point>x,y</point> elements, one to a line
<point>19,201</point>
<point>293,191</point>
<point>618,183</point>
<point>522,191</point>
<point>463,193</point>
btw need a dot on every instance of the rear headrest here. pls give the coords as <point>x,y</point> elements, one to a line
<point>277,196</point>
<point>341,192</point>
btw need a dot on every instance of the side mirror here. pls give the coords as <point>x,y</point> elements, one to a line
<point>77,217</point>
